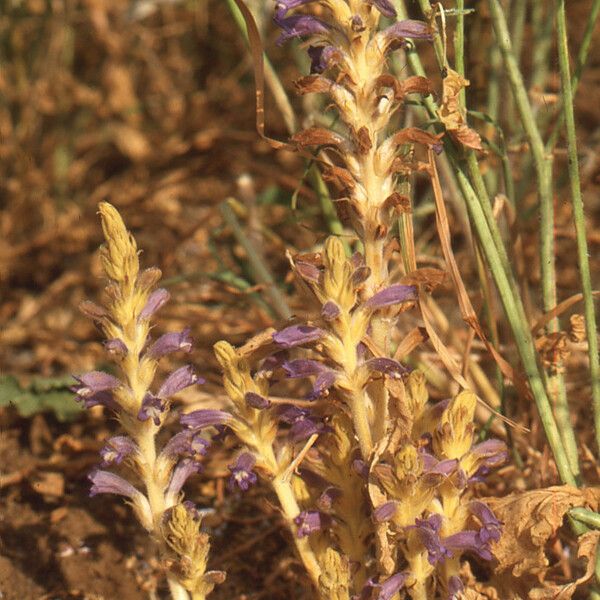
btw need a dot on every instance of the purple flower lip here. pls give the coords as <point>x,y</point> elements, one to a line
<point>283,6</point>
<point>156,300</point>
<point>179,380</point>
<point>116,449</point>
<point>385,7</point>
<point>395,294</point>
<point>184,469</point>
<point>188,443</point>
<point>256,400</point>
<point>94,381</point>
<point>105,482</point>
<point>242,474</point>
<point>429,534</point>
<point>115,347</point>
<point>385,590</point>
<point>387,366</point>
<point>330,310</point>
<point>207,417</point>
<point>299,26</point>
<point>309,521</point>
<point>152,408</point>
<point>433,466</point>
<point>323,383</point>
<point>171,342</point>
<point>303,367</point>
<point>303,424</point>
<point>104,398</point>
<point>408,28</point>
<point>386,511</point>
<point>296,335</point>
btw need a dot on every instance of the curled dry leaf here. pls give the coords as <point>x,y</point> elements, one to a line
<point>530,520</point>
<point>452,115</point>
<point>317,136</point>
<point>587,549</point>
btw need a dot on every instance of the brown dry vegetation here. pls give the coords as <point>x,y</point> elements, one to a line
<point>156,115</point>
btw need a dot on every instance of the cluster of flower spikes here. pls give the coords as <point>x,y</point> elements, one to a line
<point>394,514</point>
<point>125,321</point>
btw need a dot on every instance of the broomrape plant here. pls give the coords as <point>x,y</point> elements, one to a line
<point>374,481</point>
<point>163,469</point>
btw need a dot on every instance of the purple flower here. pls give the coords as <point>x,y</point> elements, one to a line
<point>179,380</point>
<point>171,342</point>
<point>386,511</point>
<point>152,408</point>
<point>309,521</point>
<point>302,367</point>
<point>330,310</point>
<point>395,294</point>
<point>155,301</point>
<point>199,419</point>
<point>296,335</point>
<point>93,382</point>
<point>186,443</point>
<point>387,366</point>
<point>385,7</point>
<point>116,449</point>
<point>184,469</point>
<point>361,467</point>
<point>115,347</point>
<point>432,465</point>
<point>256,400</point>
<point>105,482</point>
<point>383,591</point>
<point>491,452</point>
<point>409,28</point>
<point>468,541</point>
<point>242,474</point>
<point>490,525</point>
<point>321,57</point>
<point>322,383</point>
<point>429,534</point>
<point>99,399</point>
<point>299,26</point>
<point>283,6</point>
<point>303,424</point>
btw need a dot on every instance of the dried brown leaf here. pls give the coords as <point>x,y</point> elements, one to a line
<point>412,135</point>
<point>426,276</point>
<point>313,84</point>
<point>530,520</point>
<point>452,115</point>
<point>317,136</point>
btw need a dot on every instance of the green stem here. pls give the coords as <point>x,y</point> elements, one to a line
<point>543,166</point>
<point>582,57</point>
<point>585,516</point>
<point>459,47</point>
<point>486,228</point>
<point>578,213</point>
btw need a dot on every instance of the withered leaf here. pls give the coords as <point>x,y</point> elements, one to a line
<point>363,140</point>
<point>587,548</point>
<point>530,520</point>
<point>452,115</point>
<point>338,176</point>
<point>317,136</point>
<point>412,135</point>
<point>417,85</point>
<point>313,84</point>
<point>426,276</point>
<point>399,202</point>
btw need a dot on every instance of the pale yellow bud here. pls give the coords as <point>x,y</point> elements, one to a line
<point>226,355</point>
<point>454,436</point>
<point>119,255</point>
<point>417,395</point>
